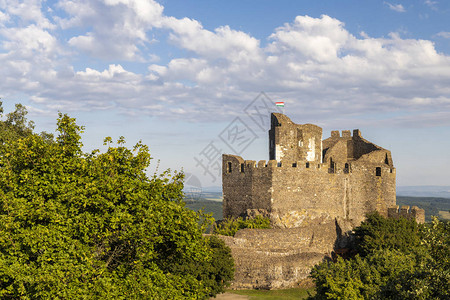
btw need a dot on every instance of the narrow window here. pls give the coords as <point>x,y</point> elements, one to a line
<point>332,166</point>
<point>229,167</point>
<point>378,171</point>
<point>346,169</point>
<point>307,165</point>
<point>242,168</point>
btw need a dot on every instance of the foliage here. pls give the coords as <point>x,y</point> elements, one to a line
<point>373,277</point>
<point>378,232</point>
<point>217,275</point>
<point>412,263</point>
<point>433,275</point>
<point>15,126</point>
<point>231,225</point>
<point>77,225</point>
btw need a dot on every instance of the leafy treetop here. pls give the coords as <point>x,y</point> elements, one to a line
<point>77,225</point>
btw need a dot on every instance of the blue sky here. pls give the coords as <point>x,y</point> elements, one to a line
<point>182,75</point>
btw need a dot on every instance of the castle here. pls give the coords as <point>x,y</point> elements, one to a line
<point>314,191</point>
<point>309,180</point>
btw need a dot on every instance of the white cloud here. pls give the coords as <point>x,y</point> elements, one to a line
<point>444,34</point>
<point>431,4</point>
<point>28,10</point>
<point>311,38</point>
<point>223,43</point>
<point>118,27</point>
<point>315,64</point>
<point>3,17</point>
<point>395,7</point>
<point>29,40</point>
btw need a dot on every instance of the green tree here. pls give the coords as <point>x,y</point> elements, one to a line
<point>217,275</point>
<point>377,276</point>
<point>398,259</point>
<point>378,232</point>
<point>77,225</point>
<point>15,125</point>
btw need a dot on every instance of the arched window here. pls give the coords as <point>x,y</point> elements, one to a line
<point>346,169</point>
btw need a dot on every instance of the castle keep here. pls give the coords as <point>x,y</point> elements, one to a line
<point>310,180</point>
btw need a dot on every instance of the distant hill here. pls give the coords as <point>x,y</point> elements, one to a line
<point>208,206</point>
<point>424,191</point>
<point>214,189</point>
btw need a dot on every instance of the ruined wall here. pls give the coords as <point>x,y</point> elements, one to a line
<point>280,258</point>
<point>415,213</point>
<point>290,142</point>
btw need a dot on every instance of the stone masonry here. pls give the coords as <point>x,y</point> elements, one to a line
<point>313,191</point>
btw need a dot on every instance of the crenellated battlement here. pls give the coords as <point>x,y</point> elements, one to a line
<point>415,213</point>
<point>308,179</point>
<point>345,134</point>
<point>235,164</point>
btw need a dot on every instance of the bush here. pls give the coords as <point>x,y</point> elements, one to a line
<point>232,225</point>
<point>378,232</point>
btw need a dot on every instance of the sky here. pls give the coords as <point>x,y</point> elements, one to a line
<point>195,79</point>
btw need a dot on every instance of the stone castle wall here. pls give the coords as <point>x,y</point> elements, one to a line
<point>298,193</point>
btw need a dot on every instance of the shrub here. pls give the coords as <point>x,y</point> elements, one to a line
<point>231,225</point>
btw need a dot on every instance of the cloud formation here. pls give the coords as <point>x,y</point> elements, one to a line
<point>444,34</point>
<point>431,4</point>
<point>315,64</point>
<point>395,7</point>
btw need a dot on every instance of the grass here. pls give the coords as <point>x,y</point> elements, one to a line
<point>296,293</point>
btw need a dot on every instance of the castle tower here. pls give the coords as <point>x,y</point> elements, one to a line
<point>290,142</point>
